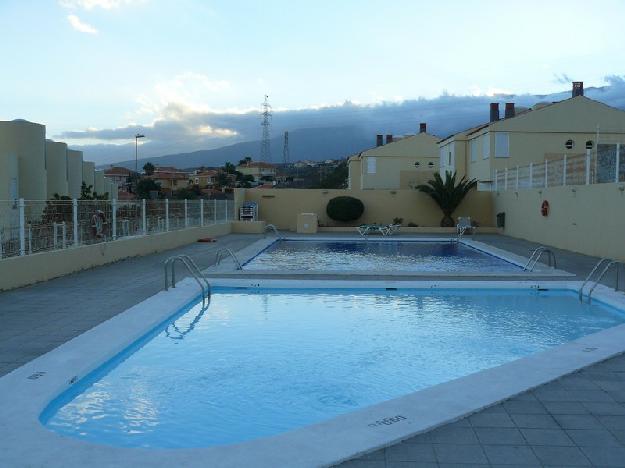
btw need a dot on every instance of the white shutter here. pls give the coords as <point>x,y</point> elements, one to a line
<point>486,146</point>
<point>502,145</point>
<point>372,165</point>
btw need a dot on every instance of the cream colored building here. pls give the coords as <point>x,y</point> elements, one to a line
<point>74,172</point>
<point>547,131</point>
<point>25,141</point>
<point>258,170</point>
<point>56,168</point>
<point>398,164</point>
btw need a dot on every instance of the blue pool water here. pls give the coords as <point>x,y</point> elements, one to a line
<point>374,256</point>
<point>258,363</point>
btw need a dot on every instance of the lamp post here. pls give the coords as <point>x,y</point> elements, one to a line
<point>137,136</point>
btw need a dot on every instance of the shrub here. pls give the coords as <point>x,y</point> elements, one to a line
<point>345,209</point>
<point>398,220</point>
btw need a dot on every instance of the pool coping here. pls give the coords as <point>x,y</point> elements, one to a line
<point>245,255</point>
<point>29,389</point>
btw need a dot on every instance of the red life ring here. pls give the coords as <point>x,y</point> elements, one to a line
<point>544,208</point>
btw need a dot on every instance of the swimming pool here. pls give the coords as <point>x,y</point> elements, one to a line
<point>261,362</point>
<point>378,256</point>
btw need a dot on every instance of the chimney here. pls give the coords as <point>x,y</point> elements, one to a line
<point>379,140</point>
<point>510,111</point>
<point>423,128</point>
<point>389,139</point>
<point>494,111</point>
<point>578,88</point>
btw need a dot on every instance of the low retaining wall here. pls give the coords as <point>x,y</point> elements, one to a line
<point>22,271</point>
<point>589,219</point>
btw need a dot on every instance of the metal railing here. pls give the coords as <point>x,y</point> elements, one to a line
<point>274,229</point>
<point>220,254</point>
<point>195,272</point>
<point>606,264</point>
<point>31,226</point>
<point>604,165</point>
<point>537,254</point>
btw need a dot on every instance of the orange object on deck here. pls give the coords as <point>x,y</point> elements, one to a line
<point>207,239</point>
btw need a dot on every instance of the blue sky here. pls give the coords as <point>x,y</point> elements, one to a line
<point>79,65</point>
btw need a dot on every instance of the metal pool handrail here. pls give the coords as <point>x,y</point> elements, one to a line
<point>272,227</point>
<point>535,257</point>
<point>225,250</point>
<point>193,270</point>
<point>607,266</point>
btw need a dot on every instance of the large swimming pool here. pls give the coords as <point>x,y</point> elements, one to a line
<point>378,256</point>
<point>260,362</point>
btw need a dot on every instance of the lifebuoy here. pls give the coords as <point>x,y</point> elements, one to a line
<point>544,208</point>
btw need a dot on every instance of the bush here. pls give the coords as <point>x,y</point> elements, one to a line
<point>345,209</point>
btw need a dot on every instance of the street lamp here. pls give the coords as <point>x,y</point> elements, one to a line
<point>137,136</point>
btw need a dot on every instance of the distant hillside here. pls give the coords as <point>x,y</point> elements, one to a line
<point>316,144</point>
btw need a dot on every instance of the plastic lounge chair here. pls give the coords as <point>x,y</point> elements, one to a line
<point>392,229</point>
<point>364,229</point>
<point>464,226</point>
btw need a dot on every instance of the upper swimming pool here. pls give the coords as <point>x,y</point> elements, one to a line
<point>258,363</point>
<point>378,256</point>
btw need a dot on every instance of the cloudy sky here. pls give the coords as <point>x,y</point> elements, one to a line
<point>191,74</point>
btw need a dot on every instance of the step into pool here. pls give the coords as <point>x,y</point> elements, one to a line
<point>378,256</point>
<point>258,363</point>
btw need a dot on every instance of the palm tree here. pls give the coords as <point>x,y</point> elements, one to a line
<point>447,194</point>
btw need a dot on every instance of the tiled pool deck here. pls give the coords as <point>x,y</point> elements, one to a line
<point>578,420</point>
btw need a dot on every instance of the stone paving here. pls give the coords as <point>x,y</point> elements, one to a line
<point>578,420</point>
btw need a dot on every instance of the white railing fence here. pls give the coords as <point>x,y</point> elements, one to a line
<point>606,165</point>
<point>30,226</point>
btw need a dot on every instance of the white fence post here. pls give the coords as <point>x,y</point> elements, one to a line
<point>617,162</point>
<point>186,217</point>
<point>531,175</point>
<point>201,212</point>
<point>144,221</point>
<point>587,167</point>
<point>215,211</point>
<point>114,225</point>
<point>496,177</point>
<point>505,179</point>
<point>75,220</point>
<point>546,175</point>
<point>226,211</point>
<point>517,178</point>
<point>166,214</point>
<point>22,227</point>
<point>64,232</point>
<point>564,170</point>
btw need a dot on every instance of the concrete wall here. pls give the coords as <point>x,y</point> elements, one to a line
<point>9,176</point>
<point>281,206</point>
<point>56,167</point>
<point>74,172</point>
<point>589,219</point>
<point>26,140</point>
<point>21,271</point>
<point>88,173</point>
<point>99,185</point>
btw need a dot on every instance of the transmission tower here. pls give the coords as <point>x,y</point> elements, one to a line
<point>286,155</point>
<point>265,144</point>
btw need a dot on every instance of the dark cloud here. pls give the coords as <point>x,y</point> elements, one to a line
<point>184,130</point>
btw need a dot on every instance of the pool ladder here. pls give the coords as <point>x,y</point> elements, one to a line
<point>193,270</point>
<point>606,263</point>
<point>535,257</point>
<point>226,251</point>
<point>272,227</point>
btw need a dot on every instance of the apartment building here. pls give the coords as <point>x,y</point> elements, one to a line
<point>397,163</point>
<point>259,170</point>
<point>34,168</point>
<point>547,131</point>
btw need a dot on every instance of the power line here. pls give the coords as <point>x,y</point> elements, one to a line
<point>286,154</point>
<point>265,144</point>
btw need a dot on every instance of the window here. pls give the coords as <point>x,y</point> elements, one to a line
<point>486,146</point>
<point>569,144</point>
<point>449,159</point>
<point>589,144</point>
<point>417,164</point>
<point>431,164</point>
<point>502,145</point>
<point>371,165</point>
<point>473,149</point>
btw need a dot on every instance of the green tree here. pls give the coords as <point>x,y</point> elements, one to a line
<point>337,179</point>
<point>192,192</point>
<point>146,186</point>
<point>230,168</point>
<point>447,193</point>
<point>148,168</point>
<point>245,160</point>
